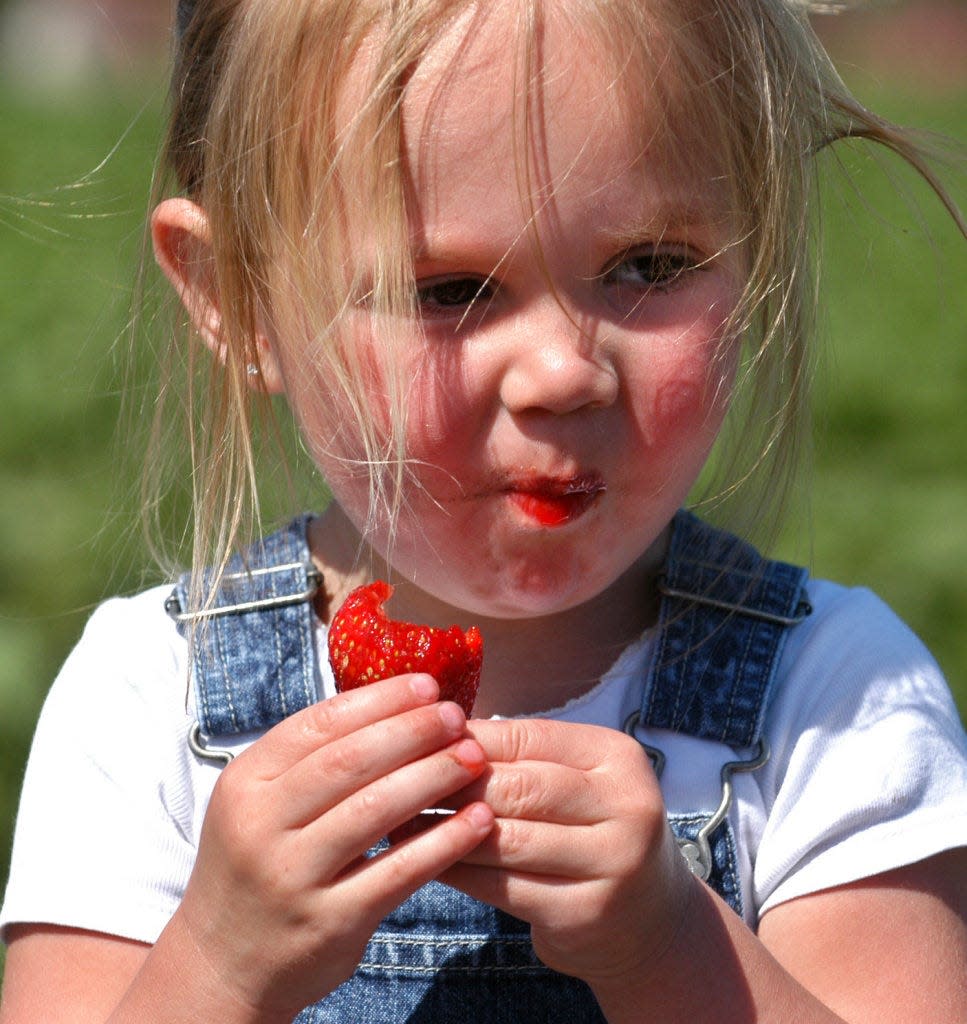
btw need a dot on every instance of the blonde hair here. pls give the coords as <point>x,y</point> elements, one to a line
<point>254,138</point>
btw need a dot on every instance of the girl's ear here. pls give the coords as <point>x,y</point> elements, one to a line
<point>182,248</point>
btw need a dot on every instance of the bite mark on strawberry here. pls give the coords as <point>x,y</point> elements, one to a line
<point>366,645</point>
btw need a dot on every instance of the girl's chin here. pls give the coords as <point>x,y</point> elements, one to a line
<point>510,566</point>
<point>529,594</point>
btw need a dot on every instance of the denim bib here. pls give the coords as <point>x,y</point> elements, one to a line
<point>441,956</point>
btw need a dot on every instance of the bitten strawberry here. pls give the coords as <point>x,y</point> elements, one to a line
<point>365,645</point>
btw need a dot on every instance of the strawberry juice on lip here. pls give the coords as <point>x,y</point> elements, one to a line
<point>555,503</point>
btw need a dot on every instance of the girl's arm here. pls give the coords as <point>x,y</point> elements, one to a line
<point>66,974</point>
<point>888,950</point>
<point>72,976</point>
<point>898,942</point>
<point>281,901</point>
<point>581,850</point>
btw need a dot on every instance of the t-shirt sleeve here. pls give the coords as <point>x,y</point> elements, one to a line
<point>103,839</point>
<point>869,765</point>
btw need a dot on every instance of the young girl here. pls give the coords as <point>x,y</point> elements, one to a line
<point>515,267</point>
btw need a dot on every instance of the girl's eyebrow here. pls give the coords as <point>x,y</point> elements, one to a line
<point>463,243</point>
<point>677,219</point>
<point>676,223</point>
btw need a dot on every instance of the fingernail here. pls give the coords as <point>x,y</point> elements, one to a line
<point>480,816</point>
<point>469,754</point>
<point>453,717</point>
<point>424,686</point>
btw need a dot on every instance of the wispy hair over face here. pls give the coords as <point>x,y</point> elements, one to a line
<point>286,127</point>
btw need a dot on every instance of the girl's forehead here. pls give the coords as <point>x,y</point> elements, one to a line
<point>501,122</point>
<point>507,75</point>
<point>551,111</point>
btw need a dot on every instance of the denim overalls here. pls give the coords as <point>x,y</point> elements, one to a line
<point>441,956</point>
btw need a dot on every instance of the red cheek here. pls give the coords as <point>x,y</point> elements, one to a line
<point>677,402</point>
<point>677,406</point>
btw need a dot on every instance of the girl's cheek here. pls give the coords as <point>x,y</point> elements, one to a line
<point>684,398</point>
<point>694,387</point>
<point>337,398</point>
<point>441,406</point>
<point>690,397</point>
<point>677,403</point>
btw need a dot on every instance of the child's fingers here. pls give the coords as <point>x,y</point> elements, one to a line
<point>347,830</point>
<point>547,771</point>
<point>584,747</point>
<point>523,895</point>
<point>319,724</point>
<point>541,849</point>
<point>580,848</point>
<point>539,791</point>
<point>586,892</point>
<point>251,863</point>
<point>387,879</point>
<point>326,776</point>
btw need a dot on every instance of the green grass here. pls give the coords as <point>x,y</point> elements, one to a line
<point>890,477</point>
<point>889,487</point>
<point>69,236</point>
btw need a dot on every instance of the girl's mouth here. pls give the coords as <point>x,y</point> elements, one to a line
<point>551,502</point>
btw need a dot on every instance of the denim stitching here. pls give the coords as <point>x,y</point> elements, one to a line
<point>740,674</point>
<point>456,968</point>
<point>391,940</point>
<point>226,680</point>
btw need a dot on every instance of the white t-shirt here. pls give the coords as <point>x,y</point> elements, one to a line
<point>868,769</point>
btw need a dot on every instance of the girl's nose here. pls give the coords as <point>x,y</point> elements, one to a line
<point>556,367</point>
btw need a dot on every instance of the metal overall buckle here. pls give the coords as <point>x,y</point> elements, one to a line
<point>313,581</point>
<point>698,851</point>
<point>196,743</point>
<point>213,755</point>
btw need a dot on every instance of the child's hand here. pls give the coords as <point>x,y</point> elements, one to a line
<point>281,901</point>
<point>581,848</point>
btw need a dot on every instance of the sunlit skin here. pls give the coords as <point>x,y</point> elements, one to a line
<point>571,381</point>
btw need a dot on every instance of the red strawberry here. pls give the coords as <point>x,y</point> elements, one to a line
<point>365,645</point>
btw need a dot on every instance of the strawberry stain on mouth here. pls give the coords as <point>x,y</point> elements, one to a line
<point>556,506</point>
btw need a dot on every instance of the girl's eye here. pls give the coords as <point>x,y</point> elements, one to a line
<point>450,295</point>
<point>653,270</point>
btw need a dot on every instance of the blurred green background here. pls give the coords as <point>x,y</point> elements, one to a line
<point>889,486</point>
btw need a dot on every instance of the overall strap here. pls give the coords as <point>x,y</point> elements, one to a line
<point>724,616</point>
<point>253,655</point>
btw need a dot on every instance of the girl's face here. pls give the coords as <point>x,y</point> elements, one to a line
<point>565,374</point>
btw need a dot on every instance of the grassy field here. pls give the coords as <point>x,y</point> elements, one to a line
<point>889,484</point>
<point>890,471</point>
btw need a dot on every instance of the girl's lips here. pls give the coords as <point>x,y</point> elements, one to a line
<point>556,502</point>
